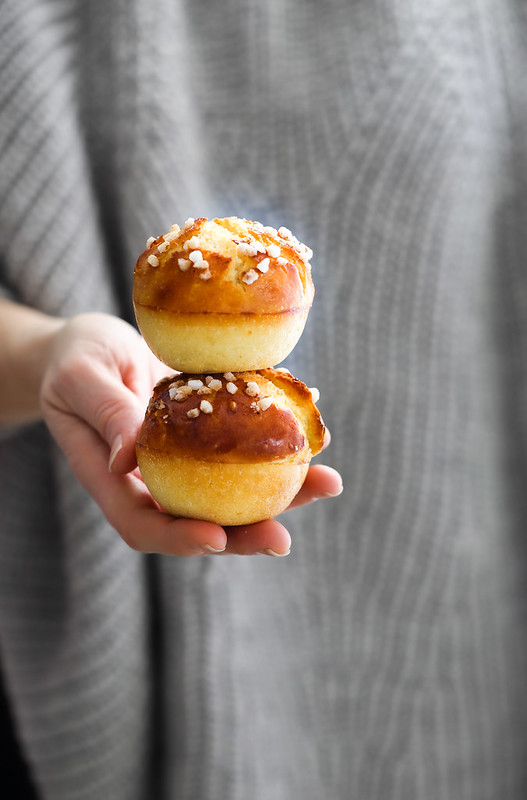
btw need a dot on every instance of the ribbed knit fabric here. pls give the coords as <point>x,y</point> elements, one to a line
<point>386,657</point>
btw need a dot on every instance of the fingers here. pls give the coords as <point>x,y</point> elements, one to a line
<point>266,538</point>
<point>108,407</point>
<point>86,382</point>
<point>320,482</point>
<point>94,400</point>
<point>124,430</point>
<point>126,502</point>
<point>271,537</point>
<point>130,509</point>
<point>133,513</point>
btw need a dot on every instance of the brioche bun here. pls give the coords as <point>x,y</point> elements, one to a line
<point>232,449</point>
<point>222,294</point>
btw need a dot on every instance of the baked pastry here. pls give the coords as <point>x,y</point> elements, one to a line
<point>222,294</point>
<point>228,448</point>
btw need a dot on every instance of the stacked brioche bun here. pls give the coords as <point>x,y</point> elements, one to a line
<point>227,439</point>
<point>223,295</point>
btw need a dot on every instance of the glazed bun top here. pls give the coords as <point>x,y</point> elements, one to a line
<point>247,417</point>
<point>229,266</point>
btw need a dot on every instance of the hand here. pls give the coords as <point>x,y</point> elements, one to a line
<point>94,394</point>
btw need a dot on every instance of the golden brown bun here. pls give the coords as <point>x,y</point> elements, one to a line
<point>223,294</point>
<point>234,450</point>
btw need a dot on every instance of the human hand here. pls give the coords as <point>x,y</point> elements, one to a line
<point>94,394</point>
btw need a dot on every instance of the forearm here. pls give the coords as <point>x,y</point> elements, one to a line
<point>26,339</point>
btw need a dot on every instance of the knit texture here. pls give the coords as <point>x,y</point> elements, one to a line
<point>386,657</point>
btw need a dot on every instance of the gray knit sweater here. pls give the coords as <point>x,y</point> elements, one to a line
<point>386,657</point>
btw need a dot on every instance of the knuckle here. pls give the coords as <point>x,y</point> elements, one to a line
<point>66,372</point>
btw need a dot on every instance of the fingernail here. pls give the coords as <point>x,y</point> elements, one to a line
<point>334,494</point>
<point>211,549</point>
<point>116,447</point>
<point>270,552</point>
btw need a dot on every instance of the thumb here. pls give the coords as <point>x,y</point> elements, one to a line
<point>102,401</point>
<point>116,413</point>
<point>122,458</point>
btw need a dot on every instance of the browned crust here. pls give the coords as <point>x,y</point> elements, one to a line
<point>283,288</point>
<point>217,316</point>
<point>290,429</point>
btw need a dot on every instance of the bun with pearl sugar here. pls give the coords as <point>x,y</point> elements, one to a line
<point>231,448</point>
<point>222,295</point>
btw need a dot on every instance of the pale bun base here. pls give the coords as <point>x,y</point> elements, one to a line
<point>211,342</point>
<point>228,494</point>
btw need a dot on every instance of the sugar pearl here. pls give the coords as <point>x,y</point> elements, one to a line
<point>315,394</point>
<point>246,249</point>
<point>273,250</point>
<point>179,393</point>
<point>192,243</point>
<point>252,389</point>
<point>250,276</point>
<point>264,403</point>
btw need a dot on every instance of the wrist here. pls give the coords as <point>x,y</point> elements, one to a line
<point>27,338</point>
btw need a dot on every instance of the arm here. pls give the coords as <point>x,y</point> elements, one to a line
<point>90,379</point>
<point>26,340</point>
